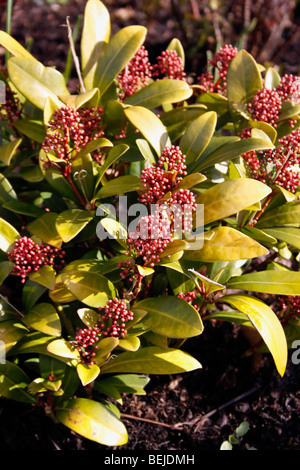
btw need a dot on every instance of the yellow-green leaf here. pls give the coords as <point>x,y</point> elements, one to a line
<point>117,53</point>
<point>92,420</point>
<point>267,324</point>
<point>61,347</point>
<point>149,125</point>
<point>43,317</point>
<point>44,228</point>
<point>8,235</point>
<point>87,372</point>
<point>13,46</point>
<point>7,151</point>
<point>230,197</point>
<point>270,281</point>
<point>71,222</point>
<point>152,360</point>
<point>226,244</point>
<point>95,35</point>
<point>197,136</point>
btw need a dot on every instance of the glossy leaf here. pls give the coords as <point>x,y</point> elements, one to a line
<point>24,208</point>
<point>90,288</point>
<point>120,49</point>
<point>160,92</point>
<point>197,136</point>
<point>35,81</point>
<point>44,276</point>
<point>267,324</point>
<point>243,78</point>
<point>226,244</point>
<point>87,373</point>
<point>231,196</point>
<point>14,383</point>
<point>31,128</point>
<point>71,222</point>
<point>13,46</point>
<point>120,185</point>
<point>8,235</point>
<point>170,316</point>
<point>10,333</point>
<point>7,151</point>
<point>271,282</point>
<point>43,317</point>
<point>95,35</point>
<point>228,151</point>
<point>7,192</point>
<point>114,154</point>
<point>115,385</point>
<point>149,125</point>
<point>289,235</point>
<point>93,421</point>
<point>6,268</point>
<point>287,214</point>
<point>61,347</point>
<point>152,360</point>
<point>44,227</point>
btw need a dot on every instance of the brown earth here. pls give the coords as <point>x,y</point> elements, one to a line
<point>198,410</point>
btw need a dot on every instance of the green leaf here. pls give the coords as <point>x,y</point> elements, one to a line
<point>90,288</point>
<point>8,235</point>
<point>175,45</point>
<point>160,92</point>
<point>149,125</point>
<point>10,333</point>
<point>95,35</point>
<point>87,99</point>
<point>113,155</point>
<point>271,282</point>
<point>14,383</point>
<point>272,78</point>
<point>24,208</point>
<point>44,318</point>
<point>13,46</point>
<point>31,128</point>
<point>229,197</point>
<point>226,244</point>
<point>170,316</point>
<point>152,360</point>
<point>243,78</point>
<point>231,150</point>
<point>124,383</point>
<point>7,192</point>
<point>6,268</point>
<point>118,52</point>
<point>44,276</point>
<point>7,151</point>
<point>62,348</point>
<point>35,81</point>
<point>197,136</point>
<point>93,421</point>
<point>266,323</point>
<point>71,222</point>
<point>289,235</point>
<point>87,373</point>
<point>287,214</point>
<point>31,293</point>
<point>44,228</point>
<point>120,185</point>
<point>209,284</point>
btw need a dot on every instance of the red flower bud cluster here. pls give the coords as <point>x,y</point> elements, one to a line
<point>151,237</point>
<point>289,88</point>
<point>190,297</point>
<point>139,70</point>
<point>265,106</point>
<point>112,322</point>
<point>220,63</point>
<point>136,74</point>
<point>277,166</point>
<point>29,257</point>
<point>169,65</point>
<point>70,130</point>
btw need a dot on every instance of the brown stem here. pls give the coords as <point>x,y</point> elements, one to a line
<point>74,188</point>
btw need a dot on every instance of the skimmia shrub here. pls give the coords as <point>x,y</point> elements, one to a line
<point>137,210</point>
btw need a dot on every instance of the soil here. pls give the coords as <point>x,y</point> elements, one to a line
<point>195,411</point>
